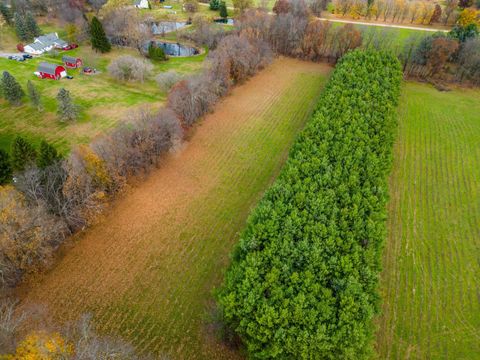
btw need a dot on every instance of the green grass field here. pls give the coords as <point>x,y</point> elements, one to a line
<point>430,282</point>
<point>94,94</point>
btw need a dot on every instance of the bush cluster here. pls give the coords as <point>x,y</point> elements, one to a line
<point>303,279</point>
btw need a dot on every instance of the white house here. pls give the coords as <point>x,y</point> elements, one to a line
<point>142,4</point>
<point>45,43</point>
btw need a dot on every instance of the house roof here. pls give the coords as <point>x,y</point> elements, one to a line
<point>69,59</point>
<point>36,46</point>
<point>47,68</point>
<point>50,40</point>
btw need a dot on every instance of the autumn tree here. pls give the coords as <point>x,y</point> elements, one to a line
<point>437,14</point>
<point>66,109</point>
<point>449,9</point>
<point>281,7</point>
<point>23,154</point>
<point>347,38</point>
<point>97,36</point>
<point>11,89</point>
<point>242,5</point>
<point>442,49</point>
<point>469,16</point>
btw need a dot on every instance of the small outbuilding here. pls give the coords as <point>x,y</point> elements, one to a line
<point>72,62</point>
<point>142,4</point>
<point>50,71</point>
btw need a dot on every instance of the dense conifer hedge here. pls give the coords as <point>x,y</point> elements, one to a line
<point>303,279</point>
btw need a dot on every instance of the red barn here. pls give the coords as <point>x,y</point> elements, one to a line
<point>50,71</point>
<point>72,62</point>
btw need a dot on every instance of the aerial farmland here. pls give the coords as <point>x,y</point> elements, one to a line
<point>289,179</point>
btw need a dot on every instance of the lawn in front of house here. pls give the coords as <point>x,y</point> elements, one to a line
<point>102,101</point>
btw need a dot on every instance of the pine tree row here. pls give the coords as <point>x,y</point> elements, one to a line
<point>303,279</point>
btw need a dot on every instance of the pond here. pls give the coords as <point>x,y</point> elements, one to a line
<point>174,49</point>
<point>164,27</point>
<point>224,21</point>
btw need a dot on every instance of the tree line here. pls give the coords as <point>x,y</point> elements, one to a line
<point>403,11</point>
<point>303,278</point>
<point>53,197</point>
<point>445,57</point>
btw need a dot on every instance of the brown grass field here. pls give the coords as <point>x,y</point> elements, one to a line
<point>147,270</point>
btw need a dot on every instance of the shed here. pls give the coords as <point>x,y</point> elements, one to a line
<point>72,62</point>
<point>50,71</point>
<point>142,4</point>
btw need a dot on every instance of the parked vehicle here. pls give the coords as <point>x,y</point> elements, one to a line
<point>16,58</point>
<point>27,56</point>
<point>88,70</point>
<point>69,77</point>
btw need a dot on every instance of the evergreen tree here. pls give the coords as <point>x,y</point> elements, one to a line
<point>47,155</point>
<point>5,167</point>
<point>67,110</point>
<point>214,4</point>
<point>97,36</point>
<point>6,13</point>
<point>31,26</point>
<point>11,89</point>
<point>23,154</point>
<point>34,95</point>
<point>156,53</point>
<point>20,27</point>
<point>223,10</point>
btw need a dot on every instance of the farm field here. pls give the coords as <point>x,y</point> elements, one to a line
<point>148,269</point>
<point>94,94</point>
<point>431,261</point>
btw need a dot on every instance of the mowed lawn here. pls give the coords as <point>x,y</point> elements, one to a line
<point>147,271</point>
<point>102,101</point>
<point>430,281</point>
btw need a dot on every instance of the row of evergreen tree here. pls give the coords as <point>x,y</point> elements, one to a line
<point>11,91</point>
<point>23,154</point>
<point>303,279</point>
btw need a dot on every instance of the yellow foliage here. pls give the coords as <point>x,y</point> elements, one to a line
<point>95,167</point>
<point>469,16</point>
<point>43,346</point>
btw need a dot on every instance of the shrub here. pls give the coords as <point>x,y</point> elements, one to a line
<point>223,10</point>
<point>167,79</point>
<point>214,4</point>
<point>156,53</point>
<point>129,68</point>
<point>303,279</point>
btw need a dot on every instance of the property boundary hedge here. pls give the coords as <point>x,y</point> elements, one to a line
<point>303,279</point>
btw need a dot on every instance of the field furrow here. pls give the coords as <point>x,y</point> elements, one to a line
<point>430,287</point>
<point>147,270</point>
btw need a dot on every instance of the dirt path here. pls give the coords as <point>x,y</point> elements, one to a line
<point>148,269</point>
<point>382,25</point>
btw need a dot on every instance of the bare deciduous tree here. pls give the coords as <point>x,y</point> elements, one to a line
<point>129,68</point>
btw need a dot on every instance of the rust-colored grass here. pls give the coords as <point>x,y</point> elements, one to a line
<point>147,270</point>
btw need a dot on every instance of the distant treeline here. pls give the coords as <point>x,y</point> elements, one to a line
<point>303,279</point>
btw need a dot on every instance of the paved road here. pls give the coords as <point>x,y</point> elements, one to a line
<point>384,25</point>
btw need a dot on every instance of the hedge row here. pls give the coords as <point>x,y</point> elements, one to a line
<point>304,276</point>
